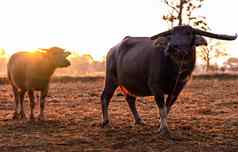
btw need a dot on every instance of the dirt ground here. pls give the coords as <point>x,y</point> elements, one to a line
<point>204,118</point>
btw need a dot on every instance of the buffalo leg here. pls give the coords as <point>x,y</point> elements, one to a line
<point>106,96</point>
<point>21,98</point>
<point>16,98</point>
<point>173,97</point>
<point>42,104</point>
<point>32,103</point>
<point>163,114</point>
<point>131,102</point>
<point>170,101</point>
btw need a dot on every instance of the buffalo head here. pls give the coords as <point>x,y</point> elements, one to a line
<point>180,41</point>
<point>58,56</point>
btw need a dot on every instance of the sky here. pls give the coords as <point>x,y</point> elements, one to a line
<point>94,26</point>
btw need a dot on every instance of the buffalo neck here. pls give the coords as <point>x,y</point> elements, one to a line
<point>187,64</point>
<point>46,68</point>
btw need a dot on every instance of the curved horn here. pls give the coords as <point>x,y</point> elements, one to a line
<point>216,36</point>
<point>199,40</point>
<point>161,34</point>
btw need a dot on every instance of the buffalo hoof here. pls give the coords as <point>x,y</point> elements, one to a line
<point>32,118</point>
<point>41,117</point>
<point>140,122</point>
<point>105,124</point>
<point>164,132</point>
<point>15,116</point>
<point>22,116</point>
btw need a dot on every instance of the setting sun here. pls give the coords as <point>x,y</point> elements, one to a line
<point>93,27</point>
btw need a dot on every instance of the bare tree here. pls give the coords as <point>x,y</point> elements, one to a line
<point>181,12</point>
<point>214,51</point>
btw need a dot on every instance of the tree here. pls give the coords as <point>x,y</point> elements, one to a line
<point>82,64</point>
<point>182,12</point>
<point>215,50</point>
<point>231,64</point>
<point>3,62</point>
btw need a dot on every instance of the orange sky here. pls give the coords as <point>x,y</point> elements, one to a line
<point>95,26</point>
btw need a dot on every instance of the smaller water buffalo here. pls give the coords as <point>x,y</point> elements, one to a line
<point>153,66</point>
<point>31,71</point>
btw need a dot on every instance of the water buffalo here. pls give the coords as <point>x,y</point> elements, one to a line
<point>30,71</point>
<point>153,66</point>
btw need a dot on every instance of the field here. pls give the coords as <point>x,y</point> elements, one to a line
<point>204,118</point>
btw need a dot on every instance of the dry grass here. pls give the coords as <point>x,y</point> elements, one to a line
<point>204,118</point>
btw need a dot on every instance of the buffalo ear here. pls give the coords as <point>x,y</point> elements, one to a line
<point>199,40</point>
<point>161,41</point>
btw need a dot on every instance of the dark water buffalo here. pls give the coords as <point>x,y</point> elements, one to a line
<point>153,66</point>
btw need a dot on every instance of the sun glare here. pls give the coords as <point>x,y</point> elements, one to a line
<point>71,24</point>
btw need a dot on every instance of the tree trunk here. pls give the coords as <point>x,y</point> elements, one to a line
<point>208,63</point>
<point>180,15</point>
